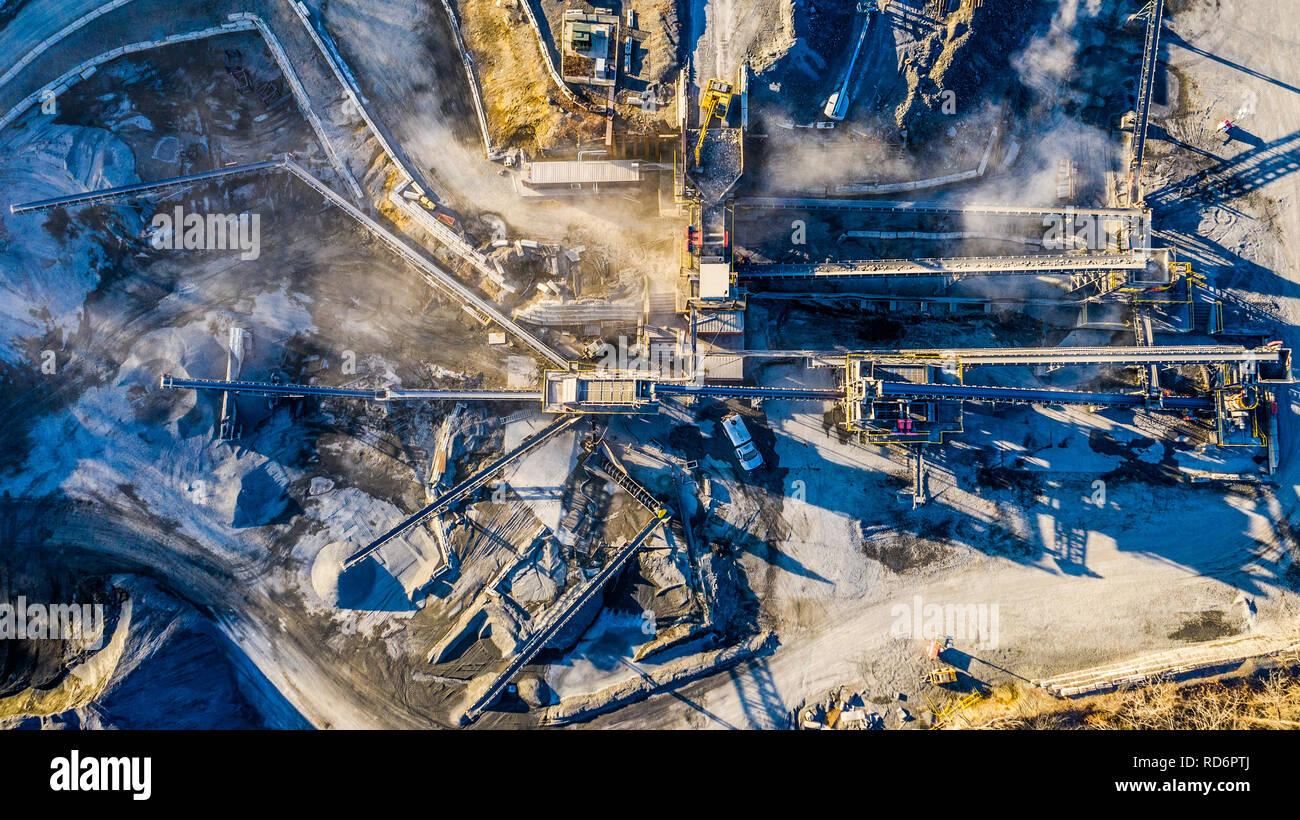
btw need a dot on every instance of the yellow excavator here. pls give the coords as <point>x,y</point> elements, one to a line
<point>716,99</point>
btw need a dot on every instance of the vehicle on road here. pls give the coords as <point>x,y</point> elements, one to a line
<point>746,453</point>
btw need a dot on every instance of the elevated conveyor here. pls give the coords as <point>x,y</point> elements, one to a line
<point>1173,355</point>
<point>435,275</point>
<point>127,191</point>
<point>376,394</point>
<point>1023,395</point>
<point>931,208</point>
<point>602,462</point>
<point>1146,84</point>
<point>538,640</point>
<point>959,266</point>
<point>739,392</point>
<point>463,488</point>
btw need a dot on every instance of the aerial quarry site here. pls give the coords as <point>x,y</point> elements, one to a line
<point>737,364</point>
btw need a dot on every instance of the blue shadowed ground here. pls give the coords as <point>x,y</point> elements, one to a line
<point>188,683</point>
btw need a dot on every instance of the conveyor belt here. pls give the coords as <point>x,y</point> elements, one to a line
<point>266,388</point>
<point>538,640</point>
<point>104,194</point>
<point>746,392</point>
<point>376,394</point>
<point>1021,395</point>
<point>1040,264</point>
<point>969,357</point>
<point>463,488</point>
<point>601,464</point>
<point>1179,354</point>
<point>885,206</point>
<point>433,274</point>
<point>392,394</point>
<point>1146,84</point>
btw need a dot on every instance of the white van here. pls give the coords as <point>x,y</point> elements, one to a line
<point>746,452</point>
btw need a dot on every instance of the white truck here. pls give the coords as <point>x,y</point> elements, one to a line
<point>746,453</point>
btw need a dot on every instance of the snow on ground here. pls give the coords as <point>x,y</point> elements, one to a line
<point>279,314</point>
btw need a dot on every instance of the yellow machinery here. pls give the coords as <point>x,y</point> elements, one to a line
<point>716,99</point>
<point>941,676</point>
<point>952,706</point>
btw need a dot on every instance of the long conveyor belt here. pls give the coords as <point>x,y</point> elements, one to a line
<point>538,640</point>
<point>369,394</point>
<point>1063,355</point>
<point>433,273</point>
<point>1023,395</point>
<point>464,487</point>
<point>1146,84</point>
<point>106,194</point>
<point>1170,354</point>
<point>1032,265</point>
<point>746,392</point>
<point>928,207</point>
